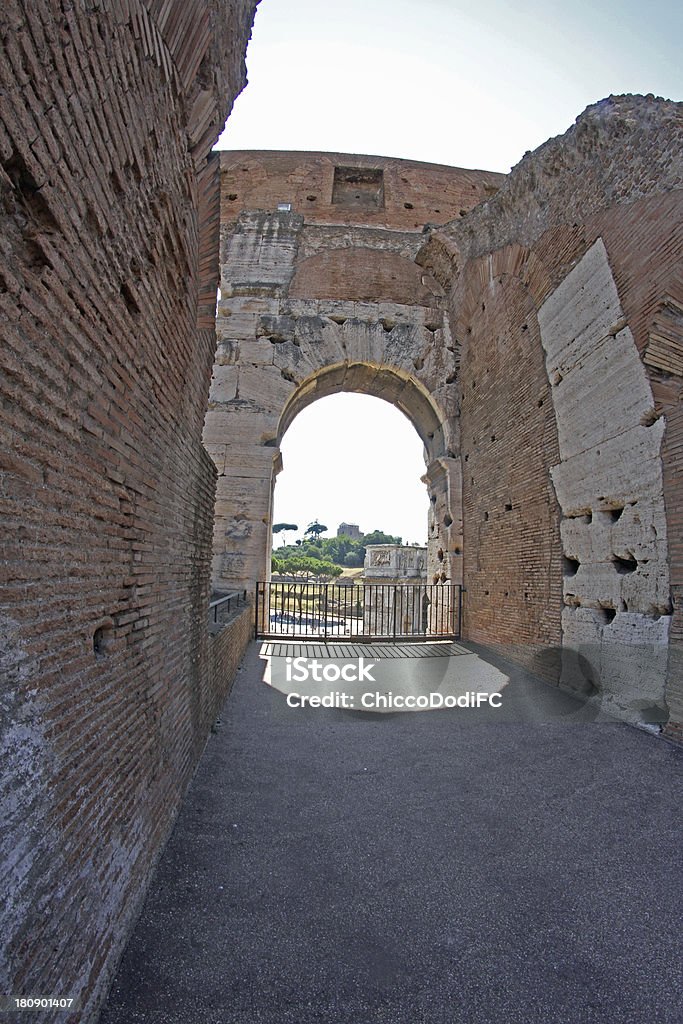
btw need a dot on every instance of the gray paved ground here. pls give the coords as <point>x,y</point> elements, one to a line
<point>448,867</point>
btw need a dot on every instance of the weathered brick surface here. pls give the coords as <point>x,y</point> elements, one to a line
<point>414,194</point>
<point>226,650</point>
<point>613,180</point>
<point>106,492</point>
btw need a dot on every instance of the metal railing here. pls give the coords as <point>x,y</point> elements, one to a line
<point>226,603</point>
<point>368,611</point>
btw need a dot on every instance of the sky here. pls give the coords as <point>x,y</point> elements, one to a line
<point>465,84</point>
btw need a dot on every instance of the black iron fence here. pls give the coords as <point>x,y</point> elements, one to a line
<point>368,611</point>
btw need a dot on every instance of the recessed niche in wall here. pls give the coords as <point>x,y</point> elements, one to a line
<point>624,565</point>
<point>361,187</point>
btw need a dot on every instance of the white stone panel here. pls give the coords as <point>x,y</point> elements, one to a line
<point>609,486</point>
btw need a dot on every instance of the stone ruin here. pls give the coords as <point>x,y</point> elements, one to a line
<point>529,325</point>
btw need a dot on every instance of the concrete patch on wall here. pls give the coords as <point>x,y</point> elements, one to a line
<point>617,604</point>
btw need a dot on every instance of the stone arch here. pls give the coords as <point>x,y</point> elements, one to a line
<point>442,471</point>
<point>387,383</point>
<point>294,358</point>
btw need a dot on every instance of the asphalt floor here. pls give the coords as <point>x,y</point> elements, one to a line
<point>518,864</point>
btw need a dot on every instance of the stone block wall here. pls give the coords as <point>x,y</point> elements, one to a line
<point>109,223</point>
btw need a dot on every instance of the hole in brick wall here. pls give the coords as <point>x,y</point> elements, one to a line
<point>288,375</point>
<point>456,550</point>
<point>508,506</point>
<point>540,402</point>
<point>232,197</point>
<point>440,554</point>
<point>101,639</point>
<point>338,320</point>
<point>493,437</point>
<point>615,514</point>
<point>418,363</point>
<point>483,307</point>
<point>431,327</point>
<point>486,517</point>
<point>408,206</point>
<point>129,299</point>
<point>432,498</point>
<point>486,593</point>
<point>35,255</point>
<point>117,185</point>
<point>29,194</point>
<point>447,520</point>
<point>607,614</point>
<point>358,186</point>
<point>624,566</point>
<point>570,566</point>
<point>525,327</point>
<point>451,378</point>
<point>311,199</point>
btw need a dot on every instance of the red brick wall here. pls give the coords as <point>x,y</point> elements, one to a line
<point>513,563</point>
<point>106,492</point>
<point>414,194</point>
<point>226,650</point>
<point>364,275</point>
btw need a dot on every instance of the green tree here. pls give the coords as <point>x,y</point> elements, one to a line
<point>284,528</point>
<point>315,528</point>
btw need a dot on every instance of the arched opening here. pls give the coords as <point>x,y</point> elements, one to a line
<point>350,489</point>
<point>249,464</point>
<point>440,471</point>
<point>355,464</point>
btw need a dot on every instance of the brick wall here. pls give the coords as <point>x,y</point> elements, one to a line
<point>226,650</point>
<point>613,180</point>
<point>512,551</point>
<point>106,492</point>
<point>406,197</point>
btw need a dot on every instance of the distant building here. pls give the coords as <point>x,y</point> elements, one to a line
<point>389,605</point>
<point>400,563</point>
<point>349,530</point>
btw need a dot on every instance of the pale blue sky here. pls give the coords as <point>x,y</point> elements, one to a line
<point>464,84</point>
